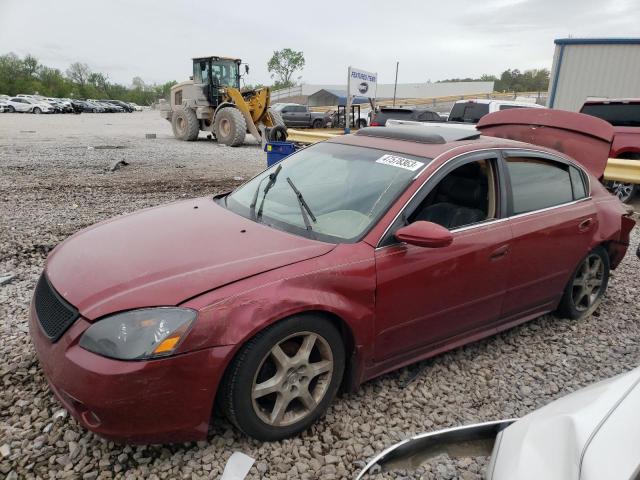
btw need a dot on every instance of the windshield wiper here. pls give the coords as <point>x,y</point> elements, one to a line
<point>272,179</point>
<point>304,207</point>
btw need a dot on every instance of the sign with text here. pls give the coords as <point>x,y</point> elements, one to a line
<point>362,84</point>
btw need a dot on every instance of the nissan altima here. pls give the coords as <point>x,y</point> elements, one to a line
<point>346,260</point>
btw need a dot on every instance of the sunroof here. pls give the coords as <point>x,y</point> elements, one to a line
<point>423,133</point>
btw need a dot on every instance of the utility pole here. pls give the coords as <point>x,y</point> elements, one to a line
<point>347,107</point>
<point>395,85</point>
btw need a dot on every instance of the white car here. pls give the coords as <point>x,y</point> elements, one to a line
<point>136,107</point>
<point>26,104</point>
<point>590,434</point>
<point>472,110</point>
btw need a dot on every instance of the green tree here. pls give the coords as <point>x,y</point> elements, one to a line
<point>283,64</point>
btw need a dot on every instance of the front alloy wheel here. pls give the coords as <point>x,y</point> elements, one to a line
<point>588,283</point>
<point>284,378</point>
<point>292,379</point>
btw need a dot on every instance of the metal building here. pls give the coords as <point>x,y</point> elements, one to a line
<point>593,67</point>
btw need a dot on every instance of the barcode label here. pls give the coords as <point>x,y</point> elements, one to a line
<point>400,162</point>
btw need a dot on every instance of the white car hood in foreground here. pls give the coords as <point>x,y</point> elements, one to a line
<point>591,434</point>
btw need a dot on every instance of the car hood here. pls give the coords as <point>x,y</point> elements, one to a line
<point>584,138</point>
<point>590,434</point>
<point>166,255</point>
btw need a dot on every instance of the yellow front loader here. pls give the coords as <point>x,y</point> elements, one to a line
<point>212,101</point>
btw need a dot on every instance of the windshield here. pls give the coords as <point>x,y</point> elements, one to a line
<point>468,112</point>
<point>223,72</point>
<point>329,192</point>
<point>617,114</point>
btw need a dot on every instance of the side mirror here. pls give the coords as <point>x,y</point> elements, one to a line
<point>246,69</point>
<point>425,234</point>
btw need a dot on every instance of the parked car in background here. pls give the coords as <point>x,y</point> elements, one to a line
<point>127,107</point>
<point>344,261</point>
<point>295,115</point>
<point>590,434</point>
<point>64,105</point>
<point>624,115</point>
<point>28,104</point>
<point>4,106</point>
<point>471,111</point>
<point>416,114</point>
<point>135,106</point>
<point>92,107</point>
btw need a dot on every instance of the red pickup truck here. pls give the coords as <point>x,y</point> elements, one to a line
<point>624,115</point>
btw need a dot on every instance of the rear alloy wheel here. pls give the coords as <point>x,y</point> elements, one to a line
<point>12,109</point>
<point>230,127</point>
<point>624,191</point>
<point>587,285</point>
<point>37,111</point>
<point>317,123</point>
<point>283,379</point>
<point>185,124</point>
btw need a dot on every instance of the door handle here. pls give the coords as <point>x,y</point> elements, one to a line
<point>499,252</point>
<point>585,225</point>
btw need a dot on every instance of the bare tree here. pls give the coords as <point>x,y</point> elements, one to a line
<point>79,73</point>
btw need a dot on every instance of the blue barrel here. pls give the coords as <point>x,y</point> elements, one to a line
<point>276,151</point>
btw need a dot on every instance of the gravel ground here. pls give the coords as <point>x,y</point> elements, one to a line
<point>52,183</point>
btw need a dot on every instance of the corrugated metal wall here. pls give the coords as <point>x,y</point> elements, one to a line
<point>594,70</point>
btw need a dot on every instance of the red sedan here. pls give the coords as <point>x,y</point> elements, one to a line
<point>344,261</point>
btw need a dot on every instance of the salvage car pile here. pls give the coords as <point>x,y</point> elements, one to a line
<point>23,103</point>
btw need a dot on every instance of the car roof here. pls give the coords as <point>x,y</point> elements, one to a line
<point>501,102</point>
<point>424,141</point>
<point>600,101</point>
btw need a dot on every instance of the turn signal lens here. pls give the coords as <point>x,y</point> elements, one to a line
<point>167,345</point>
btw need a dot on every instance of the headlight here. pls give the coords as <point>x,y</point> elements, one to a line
<point>139,334</point>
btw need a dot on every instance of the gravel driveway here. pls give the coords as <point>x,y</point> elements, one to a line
<point>55,180</point>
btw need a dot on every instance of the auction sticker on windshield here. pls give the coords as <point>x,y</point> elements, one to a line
<point>400,162</point>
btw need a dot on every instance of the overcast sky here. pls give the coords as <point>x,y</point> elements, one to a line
<point>432,40</point>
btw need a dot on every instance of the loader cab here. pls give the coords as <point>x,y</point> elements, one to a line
<point>216,72</point>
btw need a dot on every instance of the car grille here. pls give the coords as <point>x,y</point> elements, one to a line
<point>54,313</point>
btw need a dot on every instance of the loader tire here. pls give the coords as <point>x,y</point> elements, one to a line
<point>276,118</point>
<point>230,127</point>
<point>185,124</point>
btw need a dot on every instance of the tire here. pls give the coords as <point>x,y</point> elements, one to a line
<point>362,123</point>
<point>256,363</point>
<point>624,191</point>
<point>36,111</point>
<point>277,134</point>
<point>276,118</point>
<point>93,110</point>
<point>587,285</point>
<point>185,124</point>
<point>230,127</point>
<point>12,109</point>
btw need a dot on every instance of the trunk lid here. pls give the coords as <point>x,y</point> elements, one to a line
<point>582,137</point>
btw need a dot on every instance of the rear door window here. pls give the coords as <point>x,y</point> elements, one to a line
<point>468,112</point>
<point>578,183</point>
<point>617,114</point>
<point>538,183</point>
